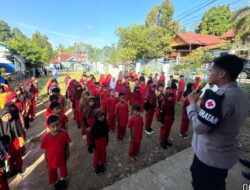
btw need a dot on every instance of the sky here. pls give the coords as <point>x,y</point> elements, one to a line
<point>95,21</point>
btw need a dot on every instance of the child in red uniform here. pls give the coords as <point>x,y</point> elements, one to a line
<point>112,101</point>
<point>181,88</point>
<point>56,146</point>
<point>126,90</point>
<point>88,117</point>
<point>11,128</point>
<point>100,132</point>
<point>184,118</point>
<point>82,105</point>
<point>136,125</point>
<point>118,87</point>
<point>150,104</point>
<point>160,97</point>
<point>104,99</point>
<point>136,96</point>
<point>75,103</point>
<point>143,92</point>
<point>52,98</point>
<point>55,108</point>
<point>61,99</point>
<point>196,82</point>
<point>167,119</point>
<point>122,116</point>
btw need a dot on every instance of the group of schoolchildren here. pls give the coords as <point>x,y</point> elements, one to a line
<point>17,110</point>
<point>99,108</point>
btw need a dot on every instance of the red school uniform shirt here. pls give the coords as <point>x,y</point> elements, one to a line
<point>122,113</point>
<point>95,91</point>
<point>112,101</point>
<point>55,147</point>
<point>104,98</point>
<point>181,85</point>
<point>136,123</point>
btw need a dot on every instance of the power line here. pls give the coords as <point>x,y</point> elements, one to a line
<point>185,12</point>
<point>194,11</point>
<point>190,19</point>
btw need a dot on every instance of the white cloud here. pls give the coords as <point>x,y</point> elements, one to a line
<point>47,31</point>
<point>57,38</point>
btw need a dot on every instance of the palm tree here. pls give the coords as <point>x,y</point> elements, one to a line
<point>241,21</point>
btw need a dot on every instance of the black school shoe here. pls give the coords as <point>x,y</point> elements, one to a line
<point>246,174</point>
<point>90,149</point>
<point>57,186</point>
<point>149,131</point>
<point>167,143</point>
<point>102,170</point>
<point>62,184</point>
<point>97,170</point>
<point>163,145</point>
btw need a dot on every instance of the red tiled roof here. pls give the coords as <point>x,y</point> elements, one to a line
<point>66,56</point>
<point>228,34</point>
<point>199,39</point>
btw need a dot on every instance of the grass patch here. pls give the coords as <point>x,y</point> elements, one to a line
<point>42,83</point>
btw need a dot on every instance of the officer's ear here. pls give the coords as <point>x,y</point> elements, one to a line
<point>222,74</point>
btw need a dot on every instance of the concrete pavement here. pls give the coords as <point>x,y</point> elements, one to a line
<point>173,173</point>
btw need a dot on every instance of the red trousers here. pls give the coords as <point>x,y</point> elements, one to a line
<point>105,107</point>
<point>82,124</point>
<point>142,107</point>
<point>134,148</point>
<point>179,95</point>
<point>121,132</point>
<point>166,128</point>
<point>112,122</point>
<point>76,112</point>
<point>184,125</point>
<point>53,173</point>
<point>157,113</point>
<point>3,182</point>
<point>149,118</point>
<point>100,155</point>
<point>16,161</point>
<point>174,92</point>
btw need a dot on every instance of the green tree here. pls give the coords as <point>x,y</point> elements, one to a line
<point>43,46</point>
<point>197,57</point>
<point>60,49</point>
<point>5,31</point>
<point>134,39</point>
<point>152,17</point>
<point>16,33</point>
<point>241,20</point>
<point>216,21</point>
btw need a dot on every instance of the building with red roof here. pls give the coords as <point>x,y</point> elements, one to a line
<point>69,61</point>
<point>185,43</point>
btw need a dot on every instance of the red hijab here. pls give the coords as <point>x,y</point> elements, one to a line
<point>151,95</point>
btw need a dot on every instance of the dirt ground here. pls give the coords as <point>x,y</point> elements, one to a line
<point>81,171</point>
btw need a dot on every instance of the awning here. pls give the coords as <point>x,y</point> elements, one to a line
<point>9,67</point>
